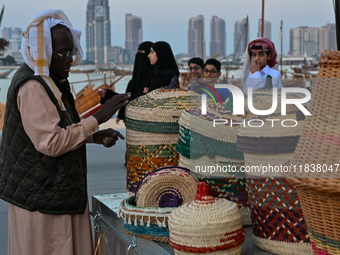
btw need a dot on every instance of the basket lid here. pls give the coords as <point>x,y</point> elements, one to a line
<point>169,186</point>
<point>206,224</point>
<point>157,111</point>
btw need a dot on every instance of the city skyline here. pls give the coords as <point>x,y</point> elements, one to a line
<point>169,21</point>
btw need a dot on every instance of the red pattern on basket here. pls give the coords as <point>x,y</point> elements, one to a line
<point>320,137</point>
<point>319,251</point>
<point>233,239</point>
<point>279,224</point>
<point>276,193</point>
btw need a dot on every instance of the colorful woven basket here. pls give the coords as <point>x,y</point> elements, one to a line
<point>167,187</point>
<point>278,223</point>
<point>317,155</point>
<point>152,132</point>
<point>208,151</point>
<point>206,225</point>
<point>149,223</point>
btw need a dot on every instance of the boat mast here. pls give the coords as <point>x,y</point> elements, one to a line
<point>262,20</point>
<point>281,35</point>
<point>246,38</point>
<point>202,51</point>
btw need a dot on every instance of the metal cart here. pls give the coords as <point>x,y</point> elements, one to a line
<point>114,241</point>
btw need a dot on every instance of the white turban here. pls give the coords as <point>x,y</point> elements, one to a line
<point>36,45</point>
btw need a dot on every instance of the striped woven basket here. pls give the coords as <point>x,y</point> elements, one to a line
<point>278,223</point>
<point>206,225</point>
<point>232,186</point>
<point>152,132</point>
<point>317,153</point>
<point>149,223</point>
<point>208,151</point>
<point>167,187</point>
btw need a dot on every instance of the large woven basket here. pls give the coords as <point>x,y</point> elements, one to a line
<point>206,225</point>
<point>152,132</point>
<point>278,224</point>
<point>149,223</point>
<point>200,146</point>
<point>169,186</point>
<point>319,191</point>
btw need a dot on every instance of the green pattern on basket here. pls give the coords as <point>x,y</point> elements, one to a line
<point>272,192</point>
<point>197,145</point>
<point>153,230</point>
<point>323,239</point>
<point>152,126</point>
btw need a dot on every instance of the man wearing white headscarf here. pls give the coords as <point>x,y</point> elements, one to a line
<point>42,152</point>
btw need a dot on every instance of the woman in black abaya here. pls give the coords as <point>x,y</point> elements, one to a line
<point>165,69</point>
<point>142,74</point>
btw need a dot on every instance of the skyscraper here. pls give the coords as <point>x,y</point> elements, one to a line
<point>13,36</point>
<point>6,33</point>
<point>241,35</point>
<point>312,40</point>
<point>217,36</point>
<point>98,30</point>
<point>267,29</point>
<point>133,32</point>
<point>196,37</point>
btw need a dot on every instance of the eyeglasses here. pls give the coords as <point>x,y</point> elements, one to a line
<point>66,54</point>
<point>212,71</point>
<point>196,68</point>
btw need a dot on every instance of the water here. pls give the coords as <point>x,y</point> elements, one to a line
<point>120,86</point>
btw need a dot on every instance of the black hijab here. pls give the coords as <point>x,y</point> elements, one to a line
<point>165,68</point>
<point>142,70</point>
<point>142,73</point>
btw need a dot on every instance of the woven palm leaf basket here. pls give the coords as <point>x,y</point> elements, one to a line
<point>152,132</point>
<point>278,223</point>
<point>169,186</point>
<point>317,157</point>
<point>159,193</point>
<point>148,223</point>
<point>202,146</point>
<point>206,225</point>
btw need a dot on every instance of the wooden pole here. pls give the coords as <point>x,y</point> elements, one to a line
<point>337,22</point>
<point>262,20</point>
<point>246,36</point>
<point>202,36</point>
<point>281,31</point>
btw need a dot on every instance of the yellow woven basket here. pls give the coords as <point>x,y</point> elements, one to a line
<point>317,159</point>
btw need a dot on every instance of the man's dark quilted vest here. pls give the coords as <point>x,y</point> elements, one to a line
<point>30,179</point>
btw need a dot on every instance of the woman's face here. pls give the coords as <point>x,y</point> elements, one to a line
<point>153,57</point>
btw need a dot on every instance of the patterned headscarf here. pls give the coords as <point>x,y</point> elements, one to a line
<point>259,44</point>
<point>36,45</point>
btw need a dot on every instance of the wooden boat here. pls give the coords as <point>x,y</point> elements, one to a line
<point>87,101</point>
<point>2,114</point>
<point>4,74</point>
<point>89,70</point>
<point>118,71</point>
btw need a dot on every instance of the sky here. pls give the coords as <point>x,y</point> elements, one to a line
<point>168,20</point>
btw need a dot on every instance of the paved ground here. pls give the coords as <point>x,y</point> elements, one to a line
<point>106,175</point>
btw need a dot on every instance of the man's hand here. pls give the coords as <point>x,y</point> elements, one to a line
<point>146,90</point>
<point>254,67</point>
<point>111,106</point>
<point>107,137</point>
